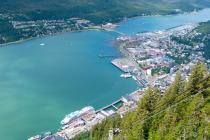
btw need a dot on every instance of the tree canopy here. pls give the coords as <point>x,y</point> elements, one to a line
<point>181,112</point>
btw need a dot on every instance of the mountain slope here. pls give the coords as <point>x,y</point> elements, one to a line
<point>37,17</point>
<point>182,112</point>
<point>96,10</point>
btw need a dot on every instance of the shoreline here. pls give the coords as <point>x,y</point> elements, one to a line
<point>25,40</point>
<point>88,28</point>
<point>97,116</point>
<point>49,35</point>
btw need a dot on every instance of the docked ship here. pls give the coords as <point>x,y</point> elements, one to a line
<point>77,114</point>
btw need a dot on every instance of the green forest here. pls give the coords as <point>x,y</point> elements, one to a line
<point>181,112</point>
<point>96,11</point>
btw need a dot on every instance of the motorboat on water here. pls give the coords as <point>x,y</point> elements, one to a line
<point>126,75</point>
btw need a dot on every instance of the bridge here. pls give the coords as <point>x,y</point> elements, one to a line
<point>109,30</point>
<point>120,33</point>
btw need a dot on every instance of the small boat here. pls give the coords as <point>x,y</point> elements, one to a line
<point>126,75</point>
<point>42,44</point>
<point>134,78</point>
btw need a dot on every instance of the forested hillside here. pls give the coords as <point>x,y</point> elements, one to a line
<point>181,112</point>
<point>23,19</point>
<point>96,10</point>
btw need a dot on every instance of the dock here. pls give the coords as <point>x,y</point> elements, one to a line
<point>88,116</point>
<point>107,56</point>
<point>110,106</point>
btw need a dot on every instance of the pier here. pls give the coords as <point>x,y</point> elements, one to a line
<point>110,105</point>
<point>107,56</point>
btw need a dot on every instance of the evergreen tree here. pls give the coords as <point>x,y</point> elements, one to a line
<point>182,112</point>
<point>198,73</point>
<point>174,92</point>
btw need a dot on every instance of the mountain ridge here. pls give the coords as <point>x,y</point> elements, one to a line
<point>42,17</point>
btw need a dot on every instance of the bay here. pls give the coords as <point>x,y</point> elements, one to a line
<point>40,84</point>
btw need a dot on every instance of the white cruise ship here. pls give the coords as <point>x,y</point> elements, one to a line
<point>75,115</point>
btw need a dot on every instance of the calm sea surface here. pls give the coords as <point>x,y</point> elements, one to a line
<point>39,85</point>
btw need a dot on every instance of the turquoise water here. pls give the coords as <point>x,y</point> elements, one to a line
<point>142,24</point>
<point>40,84</point>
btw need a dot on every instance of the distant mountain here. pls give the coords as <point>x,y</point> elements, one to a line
<point>23,19</point>
<point>97,10</point>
